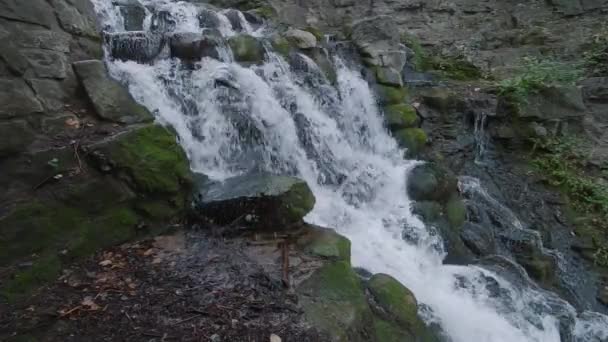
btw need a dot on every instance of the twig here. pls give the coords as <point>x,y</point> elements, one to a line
<point>67,313</point>
<point>77,156</point>
<point>186,319</point>
<point>285,257</point>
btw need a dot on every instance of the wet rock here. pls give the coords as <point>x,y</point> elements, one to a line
<point>401,116</point>
<point>193,46</point>
<point>478,239</point>
<point>301,39</point>
<point>133,13</point>
<point>526,247</point>
<point>389,76</point>
<point>110,100</point>
<point>431,182</point>
<point>16,135</point>
<point>162,22</point>
<point>247,49</point>
<point>236,19</point>
<point>142,47</point>
<point>325,243</point>
<point>274,202</point>
<point>334,302</point>
<point>391,95</point>
<point>17,99</point>
<point>413,139</point>
<point>208,19</point>
<point>397,302</point>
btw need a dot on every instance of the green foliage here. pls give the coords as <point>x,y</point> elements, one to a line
<point>420,59</point>
<point>564,166</point>
<point>596,55</point>
<point>534,74</point>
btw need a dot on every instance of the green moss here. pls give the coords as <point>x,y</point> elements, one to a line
<point>390,332</point>
<point>246,49</point>
<point>391,95</point>
<point>266,12</point>
<point>327,243</point>
<point>281,45</point>
<point>315,32</point>
<point>395,299</point>
<point>455,212</point>
<point>298,202</point>
<point>44,269</point>
<point>334,301</point>
<point>401,116</point>
<point>456,68</point>
<point>420,59</point>
<point>156,209</point>
<point>153,159</point>
<point>414,139</point>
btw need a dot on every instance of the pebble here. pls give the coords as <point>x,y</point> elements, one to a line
<point>275,338</point>
<point>215,338</point>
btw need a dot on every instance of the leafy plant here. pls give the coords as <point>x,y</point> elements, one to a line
<point>535,74</point>
<point>596,55</point>
<point>561,162</point>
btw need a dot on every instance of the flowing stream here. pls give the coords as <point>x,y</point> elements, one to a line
<point>274,117</point>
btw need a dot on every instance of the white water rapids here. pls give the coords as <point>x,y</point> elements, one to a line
<point>344,138</point>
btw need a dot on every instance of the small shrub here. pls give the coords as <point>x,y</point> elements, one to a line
<point>535,74</point>
<point>596,55</point>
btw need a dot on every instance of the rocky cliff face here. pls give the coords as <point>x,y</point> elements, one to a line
<point>83,166</point>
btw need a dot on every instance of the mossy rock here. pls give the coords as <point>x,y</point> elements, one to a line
<point>456,68</point>
<point>387,331</point>
<point>266,12</point>
<point>325,243</point>
<point>431,182</point>
<point>398,304</point>
<point>334,302</point>
<point>315,32</point>
<point>391,95</point>
<point>388,76</point>
<point>247,49</point>
<point>401,116</point>
<point>44,269</point>
<point>270,202</point>
<point>456,212</point>
<point>414,139</point>
<point>151,157</point>
<point>429,211</point>
<point>281,45</point>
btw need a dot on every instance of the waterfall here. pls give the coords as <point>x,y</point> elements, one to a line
<point>232,119</point>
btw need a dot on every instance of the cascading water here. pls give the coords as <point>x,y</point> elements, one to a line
<point>273,117</point>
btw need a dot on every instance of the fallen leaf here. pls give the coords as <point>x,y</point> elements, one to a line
<point>90,304</point>
<point>105,263</point>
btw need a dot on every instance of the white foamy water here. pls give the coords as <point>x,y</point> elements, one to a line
<point>270,118</point>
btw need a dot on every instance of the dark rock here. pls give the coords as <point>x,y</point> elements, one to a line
<point>236,19</point>
<point>162,22</point>
<point>34,12</point>
<point>568,7</point>
<point>142,47</point>
<point>388,76</point>
<point>133,13</point>
<point>431,182</point>
<point>259,200</point>
<point>208,19</point>
<point>478,239</point>
<point>442,99</point>
<point>110,100</point>
<point>526,247</point>
<point>76,17</point>
<point>334,301</point>
<point>9,53</point>
<point>16,135</point>
<point>17,99</point>
<point>193,46</point>
<point>325,243</point>
<point>595,89</point>
<point>247,49</point>
<point>50,92</point>
<point>554,103</point>
<point>47,63</point>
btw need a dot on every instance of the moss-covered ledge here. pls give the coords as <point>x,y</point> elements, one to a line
<point>131,184</point>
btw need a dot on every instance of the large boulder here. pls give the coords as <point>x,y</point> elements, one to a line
<point>110,100</point>
<point>325,243</point>
<point>554,102</point>
<point>141,47</point>
<point>431,182</point>
<point>247,49</point>
<point>261,201</point>
<point>334,301</point>
<point>301,39</point>
<point>479,239</point>
<point>133,12</point>
<point>194,46</point>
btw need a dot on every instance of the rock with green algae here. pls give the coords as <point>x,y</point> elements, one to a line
<point>262,201</point>
<point>388,95</point>
<point>414,139</point>
<point>389,76</point>
<point>431,182</point>
<point>325,243</point>
<point>149,155</point>
<point>401,116</point>
<point>247,49</point>
<point>399,320</point>
<point>334,302</point>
